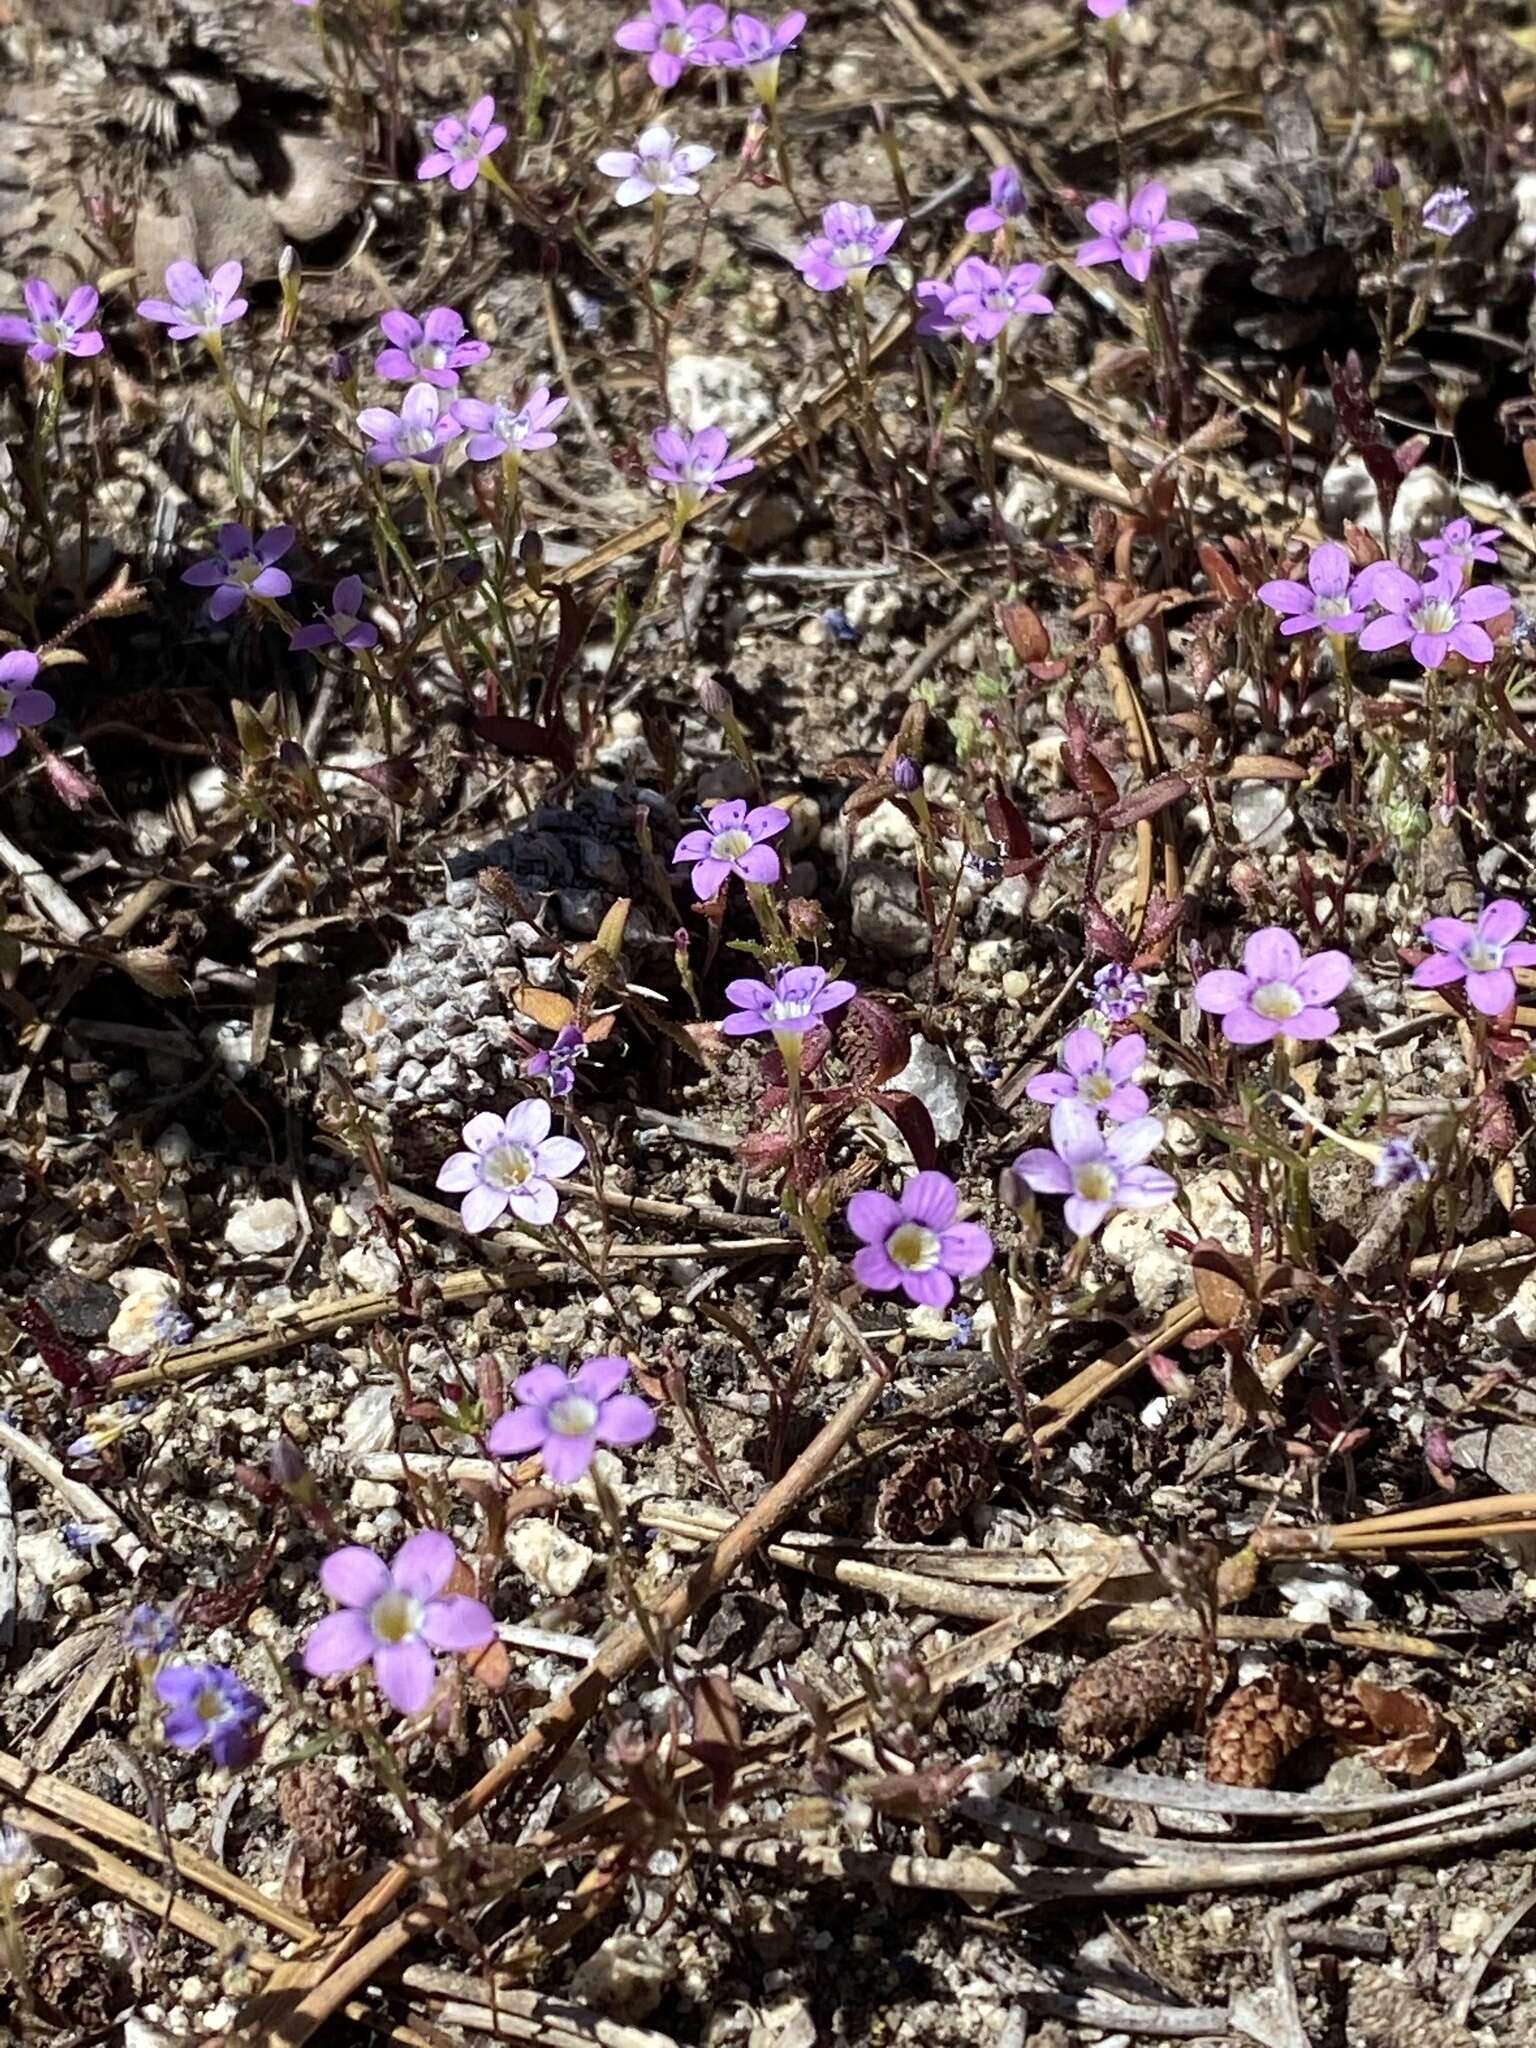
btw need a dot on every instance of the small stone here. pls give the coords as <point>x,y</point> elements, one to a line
<point>1261,816</point>
<point>939,1085</point>
<point>1016,986</point>
<point>368,1425</point>
<point>884,911</point>
<point>149,1315</point>
<point>1467,1927</point>
<point>370,1267</point>
<point>626,1977</point>
<point>50,1560</point>
<point>257,1229</point>
<point>81,1308</point>
<point>556,1563</point>
<point>370,1495</point>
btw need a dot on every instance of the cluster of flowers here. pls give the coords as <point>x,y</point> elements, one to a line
<point>207,1706</point>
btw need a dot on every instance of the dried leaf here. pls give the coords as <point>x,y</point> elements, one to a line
<point>1146,802</point>
<point>545,1006</point>
<point>1021,626</point>
<point>716,1738</point>
<point>610,933</point>
<point>875,1043</point>
<point>1223,1284</point>
<point>1415,1731</point>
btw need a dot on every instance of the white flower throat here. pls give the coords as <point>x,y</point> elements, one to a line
<point>913,1247</point>
<point>1276,1000</point>
<point>507,1166</point>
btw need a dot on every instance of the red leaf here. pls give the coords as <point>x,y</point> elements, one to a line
<point>874,1042</point>
<point>1007,824</point>
<point>911,1118</point>
<point>527,739</point>
<point>1146,802</point>
<point>1021,626</point>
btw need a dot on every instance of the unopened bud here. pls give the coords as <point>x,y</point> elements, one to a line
<point>905,774</point>
<point>69,785</point>
<point>530,552</point>
<point>339,367</point>
<point>1385,175</point>
<point>1171,1376</point>
<point>715,698</point>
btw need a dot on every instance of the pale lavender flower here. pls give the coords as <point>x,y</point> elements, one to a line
<point>20,704</point>
<point>851,244</point>
<point>756,47</point>
<point>675,36</point>
<point>1005,203</point>
<point>47,329</point>
<point>433,348</point>
<point>1119,993</point>
<point>1095,1073</point>
<point>208,1707</point>
<point>1435,619</point>
<point>342,625</point>
<point>1461,544</point>
<point>242,568</point>
<point>395,1616</point>
<point>418,432</point>
<point>1131,235</point>
<point>1097,1171</point>
<point>693,467</point>
<point>1448,211</point>
<point>787,1006</point>
<point>1328,601</point>
<point>1276,993</point>
<point>1106,10</point>
<point>987,302</point>
<point>1399,1164</point>
<point>565,1419</point>
<point>733,841</point>
<point>510,1165</point>
<point>1480,954</point>
<point>501,428</point>
<point>557,1062</point>
<point>659,166</point>
<point>915,1244</point>
<point>198,307</point>
<point>461,147</point>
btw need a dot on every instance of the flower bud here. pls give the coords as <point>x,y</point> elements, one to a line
<point>905,774</point>
<point>1385,174</point>
<point>715,698</point>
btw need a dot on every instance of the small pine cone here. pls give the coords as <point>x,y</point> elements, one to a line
<point>71,1978</point>
<point>1385,2014</point>
<point>1131,1693</point>
<point>326,1817</point>
<point>1260,1726</point>
<point>1339,1711</point>
<point>936,1488</point>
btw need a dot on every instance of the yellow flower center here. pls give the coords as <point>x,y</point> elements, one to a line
<point>394,1617</point>
<point>731,845</point>
<point>913,1247</point>
<point>572,1415</point>
<point>507,1166</point>
<point>1276,1000</point>
<point>1094,1180</point>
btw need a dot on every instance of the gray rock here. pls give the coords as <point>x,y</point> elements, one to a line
<point>884,911</point>
<point>939,1085</point>
<point>257,1229</point>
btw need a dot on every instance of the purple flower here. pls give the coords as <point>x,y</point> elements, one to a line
<point>1097,1074</point>
<point>1399,1165</point>
<point>1481,954</point>
<point>755,47</point>
<point>1005,203</point>
<point>676,36</point>
<point>1460,545</point>
<point>504,429</point>
<point>150,1631</point>
<point>242,568</point>
<point>987,301</point>
<point>1119,993</point>
<point>418,432</point>
<point>462,147</point>
<point>20,704</point>
<point>1130,235</point>
<point>915,1244</point>
<point>788,1005</point>
<point>341,626</point>
<point>565,1419</point>
<point>1277,994</point>
<point>1328,600</point>
<point>694,466</point>
<point>198,306</point>
<point>851,244</point>
<point>509,1165</point>
<point>395,1615</point>
<point>209,1708</point>
<point>934,296</point>
<point>1106,10</point>
<point>1436,618</point>
<point>659,166</point>
<point>732,842</point>
<point>1098,1172</point>
<point>558,1061</point>
<point>46,330</point>
<point>1448,211</point>
<point>433,348</point>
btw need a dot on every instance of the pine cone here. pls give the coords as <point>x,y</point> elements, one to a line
<point>1385,2014</point>
<point>71,1978</point>
<point>1128,1695</point>
<point>1340,1711</point>
<point>326,1817</point>
<point>936,1488</point>
<point>1259,1726</point>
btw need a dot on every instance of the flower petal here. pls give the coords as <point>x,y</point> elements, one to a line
<point>406,1673</point>
<point>1271,955</point>
<point>1082,1051</point>
<point>1222,990</point>
<point>1135,1141</point>
<point>1502,920</point>
<point>874,1268</point>
<point>566,1458</point>
<point>1323,977</point>
<point>625,1419</point>
<point>354,1577</point>
<point>455,1622</point>
<point>423,1563</point>
<point>340,1643</point>
<point>1043,1171</point>
<point>872,1216</point>
<point>930,1198</point>
<point>964,1249</point>
<point>1491,993</point>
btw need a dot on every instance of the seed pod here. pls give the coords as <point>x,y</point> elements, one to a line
<point>1131,1694</point>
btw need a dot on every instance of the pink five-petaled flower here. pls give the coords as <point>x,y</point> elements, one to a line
<point>787,1006</point>
<point>986,301</point>
<point>242,568</point>
<point>851,244</point>
<point>1005,203</point>
<point>1100,1075</point>
<point>1461,544</point>
<point>1106,10</point>
<point>1328,601</point>
<point>47,329</point>
<point>501,428</point>
<point>510,1165</point>
<point>20,704</point>
<point>342,625</point>
<point>658,167</point>
<point>1276,993</point>
<point>1436,618</point>
<point>418,432</point>
<point>209,1707</point>
<point>1097,1171</point>
<point>395,1615</point>
<point>732,841</point>
<point>755,47</point>
<point>694,466</point>
<point>461,147</point>
<point>433,348</point>
<point>1131,235</point>
<point>675,36</point>
<point>1482,954</point>
<point>198,306</point>
<point>565,1419</point>
<point>915,1244</point>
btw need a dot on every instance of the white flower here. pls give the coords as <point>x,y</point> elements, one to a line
<point>658,166</point>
